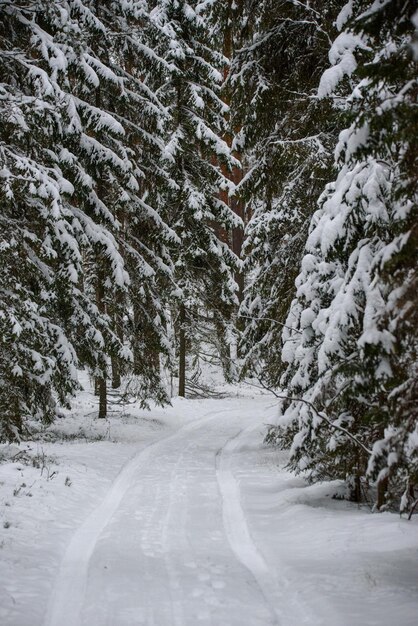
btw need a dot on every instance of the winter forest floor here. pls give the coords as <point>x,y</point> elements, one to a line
<point>182,516</point>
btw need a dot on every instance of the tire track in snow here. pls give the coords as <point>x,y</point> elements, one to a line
<point>67,598</point>
<point>178,616</point>
<point>285,606</point>
<point>175,585</point>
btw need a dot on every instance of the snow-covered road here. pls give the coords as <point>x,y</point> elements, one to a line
<point>183,517</point>
<point>170,543</point>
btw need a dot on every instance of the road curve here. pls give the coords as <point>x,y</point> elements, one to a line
<point>170,545</point>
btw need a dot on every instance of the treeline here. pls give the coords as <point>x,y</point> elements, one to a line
<point>112,159</point>
<point>136,138</point>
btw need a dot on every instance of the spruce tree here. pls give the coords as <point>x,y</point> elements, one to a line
<point>41,240</point>
<point>195,151</point>
<point>287,138</point>
<point>116,139</point>
<point>79,162</point>
<point>351,353</point>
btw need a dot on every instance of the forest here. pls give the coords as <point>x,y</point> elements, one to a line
<point>232,180</point>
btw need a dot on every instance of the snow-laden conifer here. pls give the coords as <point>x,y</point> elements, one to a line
<point>41,256</point>
<point>80,156</point>
<point>120,122</point>
<point>350,342</point>
<point>194,152</point>
<point>286,137</point>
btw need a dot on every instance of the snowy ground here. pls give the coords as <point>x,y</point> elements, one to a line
<point>183,517</point>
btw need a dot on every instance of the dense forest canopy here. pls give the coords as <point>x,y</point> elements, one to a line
<point>224,179</point>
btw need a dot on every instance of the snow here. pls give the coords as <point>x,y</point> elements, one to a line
<point>344,15</point>
<point>181,516</point>
<point>343,62</point>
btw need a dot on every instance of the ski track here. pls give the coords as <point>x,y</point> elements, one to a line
<point>174,577</point>
<point>169,530</point>
<point>67,598</point>
<point>286,607</point>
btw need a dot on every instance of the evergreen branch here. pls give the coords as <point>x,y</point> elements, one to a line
<point>319,414</point>
<point>270,319</point>
<point>282,142</point>
<point>305,6</point>
<point>322,416</point>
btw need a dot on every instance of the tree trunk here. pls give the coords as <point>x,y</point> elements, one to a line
<point>182,352</point>
<point>102,398</point>
<point>116,382</point>
<point>238,235</point>
<point>236,174</point>
<point>115,360</point>
<point>138,364</point>
<point>100,384</point>
<point>382,487</point>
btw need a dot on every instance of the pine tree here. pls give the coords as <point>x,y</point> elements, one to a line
<point>287,138</point>
<point>119,148</point>
<point>77,172</point>
<point>389,342</point>
<point>351,356</point>
<point>195,152</point>
<point>40,247</point>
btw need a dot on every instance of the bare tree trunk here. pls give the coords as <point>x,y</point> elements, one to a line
<point>382,487</point>
<point>238,235</point>
<point>115,360</point>
<point>182,352</point>
<point>116,382</point>
<point>135,335</point>
<point>102,398</point>
<point>100,383</point>
<point>236,174</point>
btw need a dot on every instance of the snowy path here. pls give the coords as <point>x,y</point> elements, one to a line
<point>170,544</point>
<point>286,605</point>
<point>202,525</point>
